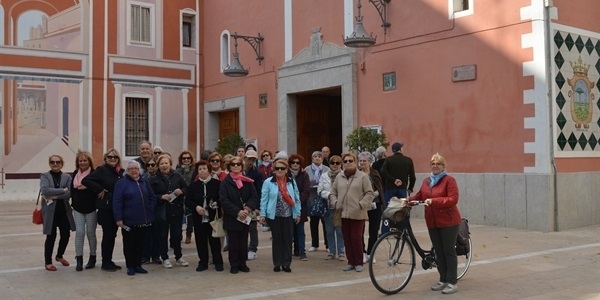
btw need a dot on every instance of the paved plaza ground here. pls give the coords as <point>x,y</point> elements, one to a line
<point>507,264</point>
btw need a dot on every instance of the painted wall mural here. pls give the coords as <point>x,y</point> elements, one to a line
<point>576,76</point>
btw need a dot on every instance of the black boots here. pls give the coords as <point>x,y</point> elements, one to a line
<point>91,263</point>
<point>79,266</point>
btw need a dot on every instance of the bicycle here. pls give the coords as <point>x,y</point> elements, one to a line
<point>392,259</point>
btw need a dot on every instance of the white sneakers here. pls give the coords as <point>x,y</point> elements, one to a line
<point>182,263</point>
<point>251,255</point>
<point>312,249</point>
<point>446,288</point>
<point>167,264</point>
<point>439,286</point>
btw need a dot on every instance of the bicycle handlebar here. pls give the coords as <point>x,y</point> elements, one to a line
<point>417,203</point>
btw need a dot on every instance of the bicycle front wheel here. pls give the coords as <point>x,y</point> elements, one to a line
<point>391,263</point>
<point>464,261</point>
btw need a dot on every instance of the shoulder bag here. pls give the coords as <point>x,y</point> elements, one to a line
<point>38,218</point>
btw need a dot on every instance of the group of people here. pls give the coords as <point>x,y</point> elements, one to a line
<point>148,198</point>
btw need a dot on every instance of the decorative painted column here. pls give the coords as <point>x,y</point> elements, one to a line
<point>185,114</point>
<point>158,116</point>
<point>118,135</point>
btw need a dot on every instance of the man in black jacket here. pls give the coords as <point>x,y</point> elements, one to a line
<point>398,172</point>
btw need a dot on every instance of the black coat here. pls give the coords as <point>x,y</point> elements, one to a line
<point>303,182</point>
<point>83,201</point>
<point>165,184</point>
<point>103,178</point>
<point>195,197</point>
<point>233,200</point>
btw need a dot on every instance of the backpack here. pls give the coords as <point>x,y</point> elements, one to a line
<point>462,240</point>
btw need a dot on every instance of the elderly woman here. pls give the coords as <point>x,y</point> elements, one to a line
<point>314,171</point>
<point>54,187</point>
<point>84,210</point>
<point>352,192</point>
<point>102,182</point>
<point>295,162</point>
<point>133,208</point>
<point>216,165</point>
<point>440,192</point>
<point>280,208</point>
<point>185,167</point>
<point>169,186</point>
<point>266,164</point>
<point>379,155</point>
<point>151,242</point>
<point>203,199</point>
<point>238,198</point>
<point>335,240</point>
<point>364,164</point>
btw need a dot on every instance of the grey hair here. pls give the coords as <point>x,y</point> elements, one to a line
<point>316,153</point>
<point>380,152</point>
<point>134,162</point>
<point>367,155</point>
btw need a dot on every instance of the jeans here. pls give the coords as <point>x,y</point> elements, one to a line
<point>299,238</point>
<point>335,239</point>
<point>109,234</point>
<point>389,193</point>
<point>173,228</point>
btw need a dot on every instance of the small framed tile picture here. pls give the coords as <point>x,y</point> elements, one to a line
<point>262,101</point>
<point>389,81</point>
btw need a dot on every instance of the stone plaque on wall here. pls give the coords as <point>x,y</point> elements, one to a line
<point>464,73</point>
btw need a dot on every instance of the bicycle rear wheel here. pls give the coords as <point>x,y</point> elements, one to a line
<point>391,263</point>
<point>464,261</point>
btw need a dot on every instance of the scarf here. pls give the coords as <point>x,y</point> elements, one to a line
<point>78,177</point>
<point>282,184</point>
<point>266,163</point>
<point>238,178</point>
<point>333,175</point>
<point>348,172</point>
<point>434,179</point>
<point>294,173</point>
<point>316,172</point>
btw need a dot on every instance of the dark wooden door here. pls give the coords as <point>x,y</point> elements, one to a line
<point>229,122</point>
<point>319,124</point>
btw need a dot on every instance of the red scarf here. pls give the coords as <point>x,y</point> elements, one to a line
<point>238,178</point>
<point>282,184</point>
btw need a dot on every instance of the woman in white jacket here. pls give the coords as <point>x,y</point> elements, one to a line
<point>335,241</point>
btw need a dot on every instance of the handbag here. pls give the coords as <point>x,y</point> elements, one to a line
<point>217,226</point>
<point>38,217</point>
<point>337,218</point>
<point>317,207</point>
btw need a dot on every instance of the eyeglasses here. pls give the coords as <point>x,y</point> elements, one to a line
<point>266,155</point>
<point>335,163</point>
<point>235,164</point>
<point>295,162</point>
<point>186,158</point>
<point>348,161</point>
<point>280,168</point>
<point>215,160</point>
<point>111,157</point>
<point>55,162</point>
<point>436,164</point>
<point>151,165</point>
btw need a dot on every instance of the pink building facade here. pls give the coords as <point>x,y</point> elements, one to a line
<point>507,91</point>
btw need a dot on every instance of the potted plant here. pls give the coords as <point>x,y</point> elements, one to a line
<point>365,139</point>
<point>230,143</point>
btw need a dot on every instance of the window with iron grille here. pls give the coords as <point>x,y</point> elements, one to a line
<point>140,24</point>
<point>136,124</point>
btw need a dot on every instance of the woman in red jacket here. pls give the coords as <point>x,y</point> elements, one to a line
<point>440,192</point>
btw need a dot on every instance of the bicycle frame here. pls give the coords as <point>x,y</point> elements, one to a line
<point>427,256</point>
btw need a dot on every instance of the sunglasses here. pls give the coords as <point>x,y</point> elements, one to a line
<point>186,158</point>
<point>55,162</point>
<point>157,153</point>
<point>335,163</point>
<point>295,162</point>
<point>348,161</point>
<point>111,157</point>
<point>280,168</point>
<point>266,155</point>
<point>215,160</point>
<point>235,164</point>
<point>151,165</point>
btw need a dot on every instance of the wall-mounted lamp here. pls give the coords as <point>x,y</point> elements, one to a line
<point>235,69</point>
<point>359,37</point>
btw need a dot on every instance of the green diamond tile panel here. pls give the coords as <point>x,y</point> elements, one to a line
<point>562,141</point>
<point>593,141</point>
<point>598,122</point>
<point>559,60</point>
<point>579,44</point>
<point>560,100</point>
<point>569,42</point>
<point>561,120</point>
<point>598,68</point>
<point>597,47</point>
<point>572,141</point>
<point>589,46</point>
<point>582,141</point>
<point>558,40</point>
<point>560,80</point>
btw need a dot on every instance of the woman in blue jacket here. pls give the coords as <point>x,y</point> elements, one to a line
<point>133,208</point>
<point>280,208</point>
